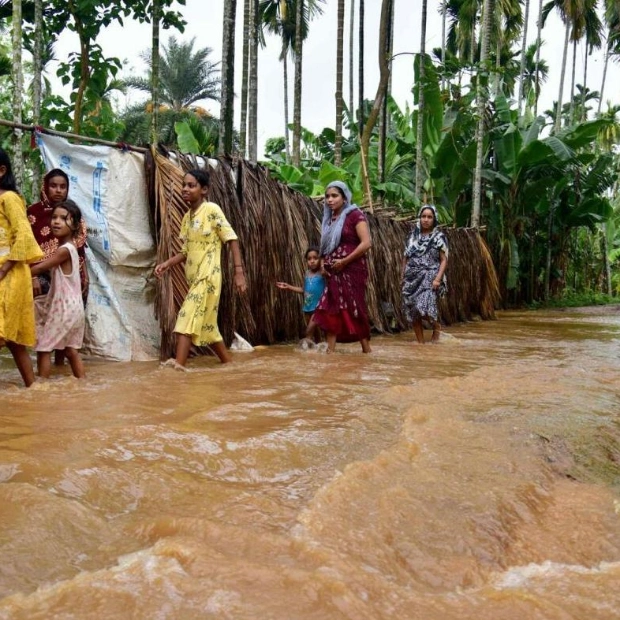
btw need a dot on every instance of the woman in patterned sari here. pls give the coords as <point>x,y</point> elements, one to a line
<point>345,240</point>
<point>424,267</point>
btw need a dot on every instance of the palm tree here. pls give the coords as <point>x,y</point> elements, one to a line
<point>523,54</point>
<point>481,96</point>
<point>539,25</point>
<point>535,72</point>
<point>384,76</point>
<point>351,54</point>
<point>228,78</point>
<point>186,76</point>
<point>155,17</point>
<point>299,12</point>
<point>419,146</point>
<point>18,87</point>
<point>339,67</point>
<point>612,22</point>
<point>243,121</point>
<point>252,129</point>
<point>278,17</point>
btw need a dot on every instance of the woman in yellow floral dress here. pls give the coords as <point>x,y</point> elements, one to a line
<point>18,248</point>
<point>204,230</point>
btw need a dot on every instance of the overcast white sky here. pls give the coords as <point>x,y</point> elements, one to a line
<point>204,21</point>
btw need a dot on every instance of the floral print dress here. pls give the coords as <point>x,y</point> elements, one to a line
<point>423,255</point>
<point>203,233</point>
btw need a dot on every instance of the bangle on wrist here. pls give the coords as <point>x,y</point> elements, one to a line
<point>239,267</point>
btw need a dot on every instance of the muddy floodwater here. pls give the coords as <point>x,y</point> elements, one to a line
<point>478,479</point>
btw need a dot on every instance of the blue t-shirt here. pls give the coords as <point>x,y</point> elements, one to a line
<point>314,283</point>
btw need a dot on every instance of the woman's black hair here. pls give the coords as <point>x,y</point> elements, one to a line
<point>7,181</point>
<point>56,172</point>
<point>312,248</point>
<point>202,176</point>
<point>74,212</point>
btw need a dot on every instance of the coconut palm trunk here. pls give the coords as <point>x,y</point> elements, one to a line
<point>156,17</point>
<point>603,80</point>
<point>253,84</point>
<point>384,76</point>
<point>37,80</point>
<point>571,107</point>
<point>444,11</point>
<point>360,63</point>
<point>481,96</point>
<point>228,79</point>
<point>18,89</point>
<point>538,46</point>
<point>287,135</point>
<point>351,57</point>
<point>339,67</point>
<point>523,53</point>
<point>419,147</point>
<point>558,111</point>
<point>299,12</point>
<point>243,122</point>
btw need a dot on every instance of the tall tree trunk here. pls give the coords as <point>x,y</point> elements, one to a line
<point>481,96</point>
<point>227,75</point>
<point>243,122</point>
<point>537,63</point>
<point>523,51</point>
<point>419,147</point>
<point>18,89</point>
<point>582,118</point>
<point>444,11</point>
<point>253,86</point>
<point>352,59</point>
<point>298,83</point>
<point>558,112</point>
<point>360,75</point>
<point>606,263</point>
<point>339,67</point>
<point>37,79</point>
<point>384,76</point>
<point>549,243</point>
<point>571,107</point>
<point>287,135</point>
<point>604,78</point>
<point>156,16</point>
<point>383,123</point>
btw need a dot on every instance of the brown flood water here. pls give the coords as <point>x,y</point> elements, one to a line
<point>477,479</point>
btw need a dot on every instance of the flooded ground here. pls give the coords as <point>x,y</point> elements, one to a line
<point>476,479</point>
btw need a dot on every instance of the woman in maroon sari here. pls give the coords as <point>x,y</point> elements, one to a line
<point>345,240</point>
<point>55,190</point>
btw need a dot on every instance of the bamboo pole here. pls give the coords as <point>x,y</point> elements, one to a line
<point>72,136</point>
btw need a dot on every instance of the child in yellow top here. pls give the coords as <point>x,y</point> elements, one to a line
<point>204,230</point>
<point>18,248</point>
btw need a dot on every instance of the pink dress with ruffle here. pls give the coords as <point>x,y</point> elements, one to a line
<point>60,317</point>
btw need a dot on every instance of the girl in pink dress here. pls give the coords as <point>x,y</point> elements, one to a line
<point>60,314</point>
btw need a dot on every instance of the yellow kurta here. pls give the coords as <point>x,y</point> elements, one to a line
<point>17,243</point>
<point>203,234</point>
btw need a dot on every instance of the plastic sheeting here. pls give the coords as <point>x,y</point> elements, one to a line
<point>109,186</point>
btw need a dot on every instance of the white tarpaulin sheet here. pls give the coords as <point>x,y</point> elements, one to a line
<point>109,186</point>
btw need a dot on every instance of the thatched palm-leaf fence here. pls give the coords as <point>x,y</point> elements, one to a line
<point>275,226</point>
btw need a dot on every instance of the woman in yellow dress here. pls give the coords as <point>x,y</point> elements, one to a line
<point>18,248</point>
<point>204,230</point>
